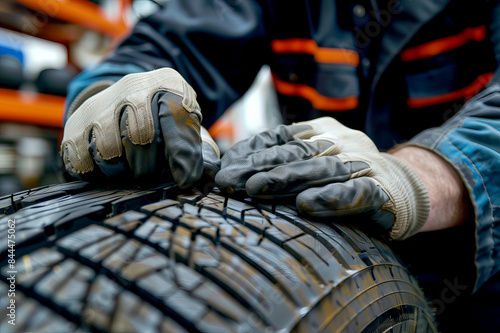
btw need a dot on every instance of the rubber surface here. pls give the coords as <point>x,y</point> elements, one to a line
<point>155,260</point>
<point>11,72</point>
<point>54,81</point>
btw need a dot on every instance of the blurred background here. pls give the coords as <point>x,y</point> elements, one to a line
<point>43,45</point>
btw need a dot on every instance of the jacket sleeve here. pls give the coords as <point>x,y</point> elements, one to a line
<point>471,142</point>
<point>217,46</point>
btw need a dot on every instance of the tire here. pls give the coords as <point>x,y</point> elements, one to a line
<point>54,81</point>
<point>11,72</point>
<point>155,260</point>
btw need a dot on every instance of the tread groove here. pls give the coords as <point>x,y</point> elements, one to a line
<point>171,253</point>
<point>200,262</point>
<point>115,277</point>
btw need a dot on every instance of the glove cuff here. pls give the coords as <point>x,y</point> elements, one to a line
<point>412,205</point>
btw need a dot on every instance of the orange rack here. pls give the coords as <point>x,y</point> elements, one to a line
<point>32,108</point>
<point>47,110</point>
<point>83,13</point>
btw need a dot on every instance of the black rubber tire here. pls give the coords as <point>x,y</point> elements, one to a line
<point>155,260</point>
<point>54,81</point>
<point>11,72</point>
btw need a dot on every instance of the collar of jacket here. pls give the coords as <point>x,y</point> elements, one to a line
<point>402,27</point>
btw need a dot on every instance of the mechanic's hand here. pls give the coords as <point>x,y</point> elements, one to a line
<point>146,125</point>
<point>333,170</point>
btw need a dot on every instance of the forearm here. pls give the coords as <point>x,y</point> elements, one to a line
<point>449,199</point>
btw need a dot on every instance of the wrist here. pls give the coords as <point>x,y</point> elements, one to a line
<point>447,193</point>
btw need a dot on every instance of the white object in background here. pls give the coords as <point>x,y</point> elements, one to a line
<point>7,159</point>
<point>89,49</point>
<point>31,157</point>
<point>39,54</point>
<point>256,111</point>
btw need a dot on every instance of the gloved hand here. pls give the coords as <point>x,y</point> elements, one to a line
<point>333,170</point>
<point>146,125</point>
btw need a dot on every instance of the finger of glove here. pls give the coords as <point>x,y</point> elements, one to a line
<point>101,112</point>
<point>114,167</point>
<point>359,196</point>
<point>181,135</point>
<point>75,151</point>
<point>148,160</point>
<point>233,177</point>
<point>274,137</point>
<point>104,167</point>
<point>66,151</point>
<point>295,177</point>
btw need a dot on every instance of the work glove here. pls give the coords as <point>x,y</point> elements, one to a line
<point>332,170</point>
<point>145,125</point>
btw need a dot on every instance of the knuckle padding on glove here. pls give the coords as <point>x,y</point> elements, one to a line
<point>100,114</point>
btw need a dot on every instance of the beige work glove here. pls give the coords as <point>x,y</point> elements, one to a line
<point>332,170</point>
<point>145,125</point>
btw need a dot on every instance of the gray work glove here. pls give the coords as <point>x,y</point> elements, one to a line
<point>333,171</point>
<point>145,125</point>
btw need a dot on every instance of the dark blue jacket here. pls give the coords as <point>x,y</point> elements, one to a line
<point>406,70</point>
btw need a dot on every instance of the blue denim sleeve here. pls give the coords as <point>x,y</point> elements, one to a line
<point>103,71</point>
<point>471,142</point>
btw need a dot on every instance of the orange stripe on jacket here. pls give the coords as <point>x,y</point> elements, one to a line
<point>321,54</point>
<point>467,93</point>
<point>444,44</point>
<point>223,128</point>
<point>318,101</point>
